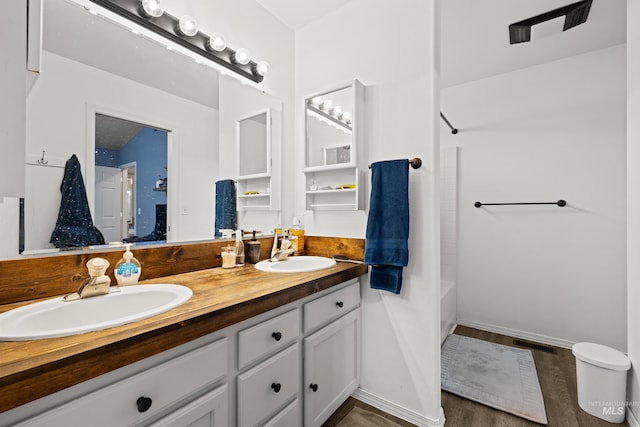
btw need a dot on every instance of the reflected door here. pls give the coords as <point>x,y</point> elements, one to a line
<point>108,203</point>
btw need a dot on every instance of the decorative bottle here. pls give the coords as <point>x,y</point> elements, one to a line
<point>298,231</point>
<point>239,249</point>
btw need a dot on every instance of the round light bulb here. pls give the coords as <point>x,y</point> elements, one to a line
<point>187,26</point>
<point>217,42</point>
<point>316,101</point>
<point>241,56</point>
<point>327,105</point>
<point>346,116</point>
<point>262,68</point>
<point>337,111</point>
<point>152,8</point>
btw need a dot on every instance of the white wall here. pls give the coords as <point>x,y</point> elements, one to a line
<point>633,203</point>
<point>364,40</point>
<point>13,82</point>
<point>57,123</point>
<point>554,131</point>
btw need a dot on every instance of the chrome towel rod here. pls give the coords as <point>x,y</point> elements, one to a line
<point>415,163</point>
<point>560,203</point>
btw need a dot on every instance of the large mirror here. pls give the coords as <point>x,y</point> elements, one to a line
<point>95,71</point>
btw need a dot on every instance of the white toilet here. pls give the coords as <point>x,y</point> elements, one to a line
<point>602,380</point>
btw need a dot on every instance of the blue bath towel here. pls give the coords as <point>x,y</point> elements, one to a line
<point>386,245</point>
<point>226,215</point>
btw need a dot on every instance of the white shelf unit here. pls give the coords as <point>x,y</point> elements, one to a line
<point>327,195</point>
<point>258,183</point>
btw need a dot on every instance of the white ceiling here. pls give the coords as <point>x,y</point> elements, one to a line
<point>298,13</point>
<point>475,36</point>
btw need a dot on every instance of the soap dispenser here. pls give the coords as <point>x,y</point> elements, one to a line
<point>128,269</point>
<point>253,249</point>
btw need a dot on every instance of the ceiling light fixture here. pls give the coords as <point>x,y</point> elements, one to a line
<point>575,14</point>
<point>184,32</point>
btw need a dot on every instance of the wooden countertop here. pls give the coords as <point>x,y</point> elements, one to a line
<point>221,297</point>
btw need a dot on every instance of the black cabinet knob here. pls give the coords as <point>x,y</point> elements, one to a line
<point>277,336</point>
<point>143,403</point>
<point>340,304</point>
<point>276,387</point>
<point>313,387</point>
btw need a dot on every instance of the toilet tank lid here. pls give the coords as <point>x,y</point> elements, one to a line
<point>601,355</point>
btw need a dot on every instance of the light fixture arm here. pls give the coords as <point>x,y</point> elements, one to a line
<point>165,26</point>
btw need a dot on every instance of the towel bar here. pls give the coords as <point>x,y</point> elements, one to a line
<point>415,163</point>
<point>560,203</point>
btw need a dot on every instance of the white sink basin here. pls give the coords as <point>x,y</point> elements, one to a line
<point>57,318</point>
<point>296,264</point>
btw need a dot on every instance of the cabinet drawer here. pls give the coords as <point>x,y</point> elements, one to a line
<point>268,386</point>
<point>324,309</point>
<point>164,384</point>
<point>288,417</point>
<point>267,337</point>
<point>209,410</point>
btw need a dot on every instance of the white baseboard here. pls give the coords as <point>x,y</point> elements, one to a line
<point>543,339</point>
<point>397,410</point>
<point>631,419</point>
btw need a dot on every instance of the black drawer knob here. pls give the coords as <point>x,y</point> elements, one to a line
<point>276,387</point>
<point>314,387</point>
<point>340,304</point>
<point>143,403</point>
<point>277,336</point>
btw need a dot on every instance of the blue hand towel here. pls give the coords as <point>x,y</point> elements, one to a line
<point>386,245</point>
<point>226,215</point>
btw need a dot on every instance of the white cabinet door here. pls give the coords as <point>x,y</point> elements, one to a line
<point>209,410</point>
<point>332,367</point>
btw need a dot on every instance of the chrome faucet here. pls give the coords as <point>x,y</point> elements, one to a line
<point>96,284</point>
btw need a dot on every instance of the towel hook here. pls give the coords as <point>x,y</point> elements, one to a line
<point>42,161</point>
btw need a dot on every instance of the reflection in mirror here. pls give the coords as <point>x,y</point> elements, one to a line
<point>329,123</point>
<point>250,153</point>
<point>91,65</point>
<point>131,180</point>
<point>254,135</point>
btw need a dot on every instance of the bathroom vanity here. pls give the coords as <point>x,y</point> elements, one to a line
<point>249,348</point>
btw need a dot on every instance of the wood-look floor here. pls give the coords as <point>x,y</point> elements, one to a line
<point>557,376</point>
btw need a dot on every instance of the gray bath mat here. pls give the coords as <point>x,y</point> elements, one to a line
<point>495,375</point>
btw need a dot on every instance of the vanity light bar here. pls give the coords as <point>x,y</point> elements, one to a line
<point>327,116</point>
<point>166,25</point>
